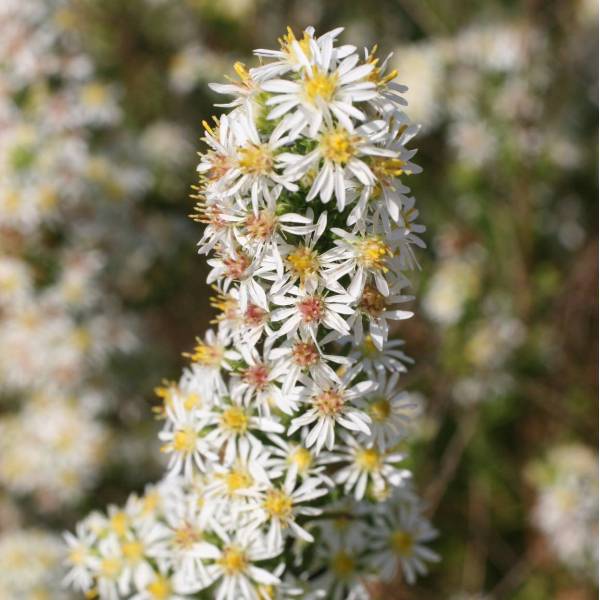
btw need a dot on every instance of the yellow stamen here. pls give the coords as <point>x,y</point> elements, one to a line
<point>235,419</point>
<point>338,145</point>
<point>302,458</point>
<point>278,505</point>
<point>380,410</point>
<point>368,459</point>
<point>160,588</point>
<point>342,564</point>
<point>320,87</point>
<point>402,542</point>
<point>133,551</point>
<point>233,560</point>
<point>373,252</point>
<point>255,160</point>
<point>303,262</point>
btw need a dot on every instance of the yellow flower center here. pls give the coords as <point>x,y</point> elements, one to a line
<point>77,555</point>
<point>303,262</point>
<point>233,560</point>
<point>184,440</point>
<point>110,568</point>
<point>133,551</point>
<point>278,505</point>
<point>368,459</point>
<point>237,479</point>
<point>373,252</point>
<point>387,168</point>
<point>402,542</point>
<point>95,94</point>
<point>380,410</point>
<point>338,146</point>
<point>320,86</point>
<point>150,502</point>
<point>186,536</point>
<point>119,523</point>
<point>191,401</point>
<point>302,458</point>
<point>342,564</point>
<point>369,349</point>
<point>255,159</point>
<point>207,355</point>
<point>234,419</point>
<point>160,588</point>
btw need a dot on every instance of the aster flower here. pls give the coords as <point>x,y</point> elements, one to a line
<point>367,464</point>
<point>398,541</point>
<point>326,90</point>
<point>283,431</point>
<point>332,406</point>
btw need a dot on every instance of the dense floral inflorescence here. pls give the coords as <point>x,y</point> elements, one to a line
<point>284,435</point>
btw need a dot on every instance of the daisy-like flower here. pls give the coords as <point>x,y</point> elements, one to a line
<point>254,165</point>
<point>306,312</point>
<point>234,571</point>
<point>390,410</point>
<point>344,565</point>
<point>299,263</point>
<point>181,541</point>
<point>234,424</point>
<point>362,257</point>
<point>301,354</point>
<point>182,440</point>
<point>327,89</point>
<point>294,53</point>
<point>331,406</point>
<point>367,464</point>
<point>241,480</point>
<point>341,155</point>
<point>212,355</point>
<point>398,541</point>
<point>372,359</point>
<point>378,309</point>
<point>297,461</point>
<point>279,506</point>
<point>259,384</point>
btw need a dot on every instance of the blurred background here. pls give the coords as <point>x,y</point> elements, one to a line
<point>101,289</point>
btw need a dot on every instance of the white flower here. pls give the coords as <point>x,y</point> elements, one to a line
<point>341,155</point>
<point>368,464</point>
<point>234,424</point>
<point>373,359</point>
<point>326,89</point>
<point>306,312</point>
<point>279,506</point>
<point>301,354</point>
<point>332,406</point>
<point>234,567</point>
<point>182,440</point>
<point>397,541</point>
<point>391,412</point>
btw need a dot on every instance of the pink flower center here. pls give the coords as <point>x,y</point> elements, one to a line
<point>255,315</point>
<point>257,376</point>
<point>236,266</point>
<point>311,309</point>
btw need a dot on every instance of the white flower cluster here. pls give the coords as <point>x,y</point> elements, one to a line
<point>284,434</point>
<point>566,510</point>
<point>53,338</point>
